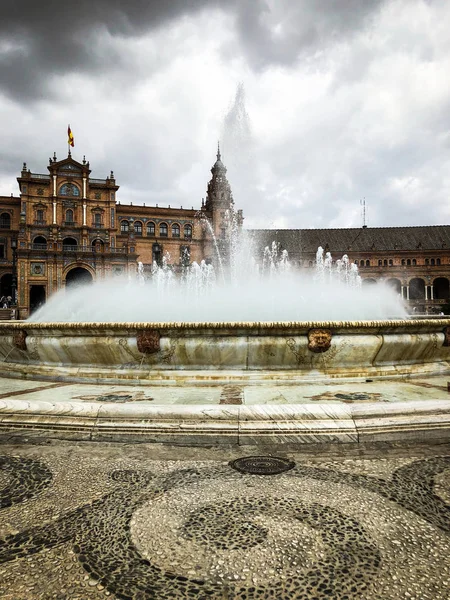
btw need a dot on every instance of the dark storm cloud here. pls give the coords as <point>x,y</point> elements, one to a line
<point>282,31</point>
<point>41,40</point>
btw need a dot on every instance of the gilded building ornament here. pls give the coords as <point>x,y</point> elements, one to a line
<point>148,341</point>
<point>319,340</point>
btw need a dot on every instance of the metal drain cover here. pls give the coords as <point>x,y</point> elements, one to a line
<point>262,465</point>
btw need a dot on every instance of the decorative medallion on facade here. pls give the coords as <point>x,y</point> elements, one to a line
<point>148,341</point>
<point>40,191</point>
<point>69,189</point>
<point>319,340</point>
<point>37,268</point>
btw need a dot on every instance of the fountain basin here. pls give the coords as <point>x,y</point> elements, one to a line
<point>224,352</point>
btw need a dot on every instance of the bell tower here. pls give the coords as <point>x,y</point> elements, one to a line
<point>219,198</point>
<point>219,208</point>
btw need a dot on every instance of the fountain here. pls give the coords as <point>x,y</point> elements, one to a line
<point>259,324</point>
<point>260,321</point>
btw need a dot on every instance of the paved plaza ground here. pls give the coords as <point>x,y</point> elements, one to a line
<point>273,393</point>
<point>87,521</point>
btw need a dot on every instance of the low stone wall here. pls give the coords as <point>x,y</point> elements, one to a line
<point>224,351</point>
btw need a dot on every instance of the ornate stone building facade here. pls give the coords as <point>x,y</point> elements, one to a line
<point>414,261</point>
<point>67,226</point>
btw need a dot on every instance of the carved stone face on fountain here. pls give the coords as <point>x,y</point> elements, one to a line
<point>319,340</point>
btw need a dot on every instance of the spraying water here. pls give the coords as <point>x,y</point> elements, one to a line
<point>250,289</point>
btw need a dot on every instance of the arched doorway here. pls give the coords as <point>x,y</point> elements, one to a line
<point>6,285</point>
<point>37,297</point>
<point>395,284</point>
<point>417,289</point>
<point>441,289</point>
<point>78,276</point>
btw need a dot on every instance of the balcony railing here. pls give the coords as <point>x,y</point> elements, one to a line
<point>98,225</point>
<point>40,176</point>
<point>92,180</point>
<point>70,223</point>
<point>81,249</point>
<point>41,223</point>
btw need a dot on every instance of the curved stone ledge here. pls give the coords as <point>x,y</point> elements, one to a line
<point>232,325</point>
<point>116,351</point>
<point>236,425</point>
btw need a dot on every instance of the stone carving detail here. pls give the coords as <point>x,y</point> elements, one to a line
<point>446,336</point>
<point>319,340</point>
<point>148,341</point>
<point>20,339</point>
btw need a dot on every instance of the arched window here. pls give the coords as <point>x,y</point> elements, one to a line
<point>138,228</point>
<point>432,261</point>
<point>5,221</point>
<point>124,226</point>
<point>385,262</point>
<point>175,230</point>
<point>150,228</point>
<point>438,261</point>
<point>69,189</point>
<point>403,262</point>
<point>427,261</point>
<point>70,244</point>
<point>69,216</point>
<point>414,262</point>
<point>361,263</point>
<point>40,243</point>
<point>163,229</point>
<point>408,262</point>
<point>380,262</point>
<point>367,263</point>
<point>188,231</point>
<point>391,262</point>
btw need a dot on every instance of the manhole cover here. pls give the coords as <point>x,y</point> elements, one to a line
<point>262,465</point>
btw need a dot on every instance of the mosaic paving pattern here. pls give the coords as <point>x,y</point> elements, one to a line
<point>352,530</point>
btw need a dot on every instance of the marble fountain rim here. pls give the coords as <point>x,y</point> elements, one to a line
<point>407,324</point>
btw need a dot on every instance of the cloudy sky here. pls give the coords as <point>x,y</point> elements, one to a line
<point>317,103</point>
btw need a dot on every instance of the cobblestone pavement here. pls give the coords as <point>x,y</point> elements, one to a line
<point>87,521</point>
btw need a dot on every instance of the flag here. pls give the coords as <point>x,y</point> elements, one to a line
<point>70,140</point>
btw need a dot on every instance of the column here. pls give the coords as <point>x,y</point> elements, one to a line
<point>402,292</point>
<point>84,188</point>
<point>54,199</point>
<point>426,293</point>
<point>84,215</point>
<point>407,292</point>
<point>432,295</point>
